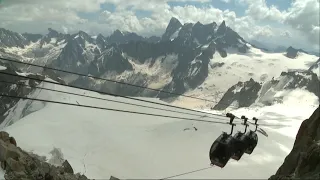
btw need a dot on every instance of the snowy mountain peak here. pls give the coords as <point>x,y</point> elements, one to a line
<point>174,20</point>
<point>120,37</point>
<point>11,39</point>
<point>53,33</point>
<point>117,33</point>
<point>222,28</point>
<point>172,28</point>
<point>53,37</point>
<point>269,92</point>
<point>101,41</point>
<point>179,64</point>
<point>205,35</point>
<point>82,37</point>
<point>100,36</point>
<point>293,52</point>
<point>84,34</point>
<point>32,37</point>
<point>242,94</point>
<point>198,23</point>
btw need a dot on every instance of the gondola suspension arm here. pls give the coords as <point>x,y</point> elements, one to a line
<point>232,117</point>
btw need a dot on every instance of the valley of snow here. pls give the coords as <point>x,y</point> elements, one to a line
<point>101,143</point>
<point>256,64</point>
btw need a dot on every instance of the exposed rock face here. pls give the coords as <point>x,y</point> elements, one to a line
<point>32,37</point>
<point>14,90</point>
<point>247,93</point>
<point>316,67</point>
<point>9,87</point>
<point>303,162</point>
<point>292,52</point>
<point>11,39</point>
<point>179,58</point>
<point>18,164</point>
<point>293,80</point>
<point>172,27</point>
<point>244,93</point>
<point>307,80</point>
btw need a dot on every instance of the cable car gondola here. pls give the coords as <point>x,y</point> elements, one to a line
<point>222,148</point>
<point>252,139</point>
<point>240,142</point>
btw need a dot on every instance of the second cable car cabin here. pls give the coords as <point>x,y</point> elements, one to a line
<point>222,148</point>
<point>241,142</point>
<point>252,138</point>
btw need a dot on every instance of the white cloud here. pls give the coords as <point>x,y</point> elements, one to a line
<point>84,6</point>
<point>259,10</point>
<point>286,34</point>
<point>304,16</point>
<point>38,15</point>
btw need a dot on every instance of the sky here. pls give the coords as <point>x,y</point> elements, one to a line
<point>273,22</point>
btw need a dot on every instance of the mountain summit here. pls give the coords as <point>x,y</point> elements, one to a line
<point>173,27</point>
<point>180,61</point>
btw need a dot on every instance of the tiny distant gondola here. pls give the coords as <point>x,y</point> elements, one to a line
<point>222,148</point>
<point>241,141</point>
<point>252,139</point>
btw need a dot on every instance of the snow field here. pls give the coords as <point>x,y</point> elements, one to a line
<point>103,143</point>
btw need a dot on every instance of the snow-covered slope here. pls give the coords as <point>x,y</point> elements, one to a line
<point>245,94</point>
<point>256,64</point>
<point>201,60</point>
<point>101,143</point>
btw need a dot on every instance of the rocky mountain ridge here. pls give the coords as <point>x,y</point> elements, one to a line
<point>303,162</point>
<point>177,62</point>
<point>19,164</point>
<point>11,85</point>
<point>180,58</point>
<point>244,94</point>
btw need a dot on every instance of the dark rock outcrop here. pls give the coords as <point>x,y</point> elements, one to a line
<point>19,164</point>
<point>32,37</point>
<point>110,61</point>
<point>123,37</point>
<point>292,52</point>
<point>10,89</point>
<point>119,37</point>
<point>315,66</point>
<point>244,93</point>
<point>11,39</point>
<point>53,34</point>
<point>305,79</point>
<point>18,86</point>
<point>303,162</point>
<point>250,92</point>
<point>113,178</point>
<point>291,80</point>
<point>172,27</point>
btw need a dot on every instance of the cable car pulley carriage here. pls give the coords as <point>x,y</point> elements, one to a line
<point>222,148</point>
